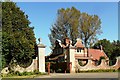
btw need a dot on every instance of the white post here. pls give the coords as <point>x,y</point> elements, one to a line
<point>72,59</point>
<point>41,57</point>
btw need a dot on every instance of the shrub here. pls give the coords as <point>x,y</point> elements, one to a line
<point>25,73</point>
<point>18,73</point>
<point>36,72</point>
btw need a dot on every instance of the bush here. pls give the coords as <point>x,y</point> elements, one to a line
<point>17,73</point>
<point>36,72</point>
<point>112,62</point>
<point>80,62</point>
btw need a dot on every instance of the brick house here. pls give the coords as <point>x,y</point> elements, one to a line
<point>66,52</point>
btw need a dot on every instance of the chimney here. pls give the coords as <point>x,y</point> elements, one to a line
<point>101,48</point>
<point>67,41</point>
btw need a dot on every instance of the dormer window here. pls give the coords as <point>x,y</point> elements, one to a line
<point>78,49</point>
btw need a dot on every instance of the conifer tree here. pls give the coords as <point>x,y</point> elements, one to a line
<point>18,39</point>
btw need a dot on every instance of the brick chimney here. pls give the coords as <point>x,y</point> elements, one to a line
<point>101,48</point>
<point>66,41</point>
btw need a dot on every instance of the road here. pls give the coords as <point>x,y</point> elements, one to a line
<point>81,75</point>
<point>74,76</point>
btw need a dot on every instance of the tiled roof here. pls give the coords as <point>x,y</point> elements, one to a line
<point>95,54</point>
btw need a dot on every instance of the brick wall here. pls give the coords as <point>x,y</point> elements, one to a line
<point>31,68</point>
<point>103,65</point>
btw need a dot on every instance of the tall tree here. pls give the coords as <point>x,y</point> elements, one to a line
<point>66,25</point>
<point>17,36</point>
<point>73,24</point>
<point>0,36</point>
<point>89,27</point>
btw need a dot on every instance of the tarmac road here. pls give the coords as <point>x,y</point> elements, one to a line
<point>82,75</point>
<point>75,76</point>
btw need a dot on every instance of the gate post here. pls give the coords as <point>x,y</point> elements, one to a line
<point>48,67</point>
<point>70,65</point>
<point>41,56</point>
<point>72,59</point>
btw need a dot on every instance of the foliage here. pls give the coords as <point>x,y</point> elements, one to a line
<point>71,23</point>
<point>89,27</point>
<point>102,57</point>
<point>18,39</point>
<point>116,49</point>
<point>17,73</point>
<point>99,62</point>
<point>82,64</point>
<point>0,36</point>
<point>107,46</point>
<point>36,72</point>
<point>65,25</point>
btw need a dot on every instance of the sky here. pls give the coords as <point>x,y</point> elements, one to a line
<point>43,14</point>
<point>65,0</point>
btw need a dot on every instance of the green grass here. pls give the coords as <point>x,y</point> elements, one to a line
<point>100,70</point>
<point>17,74</point>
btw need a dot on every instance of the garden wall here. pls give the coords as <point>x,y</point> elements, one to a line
<point>31,68</point>
<point>103,65</point>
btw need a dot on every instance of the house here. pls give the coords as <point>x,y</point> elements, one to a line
<point>66,52</point>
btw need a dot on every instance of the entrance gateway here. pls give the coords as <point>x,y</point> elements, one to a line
<point>41,60</point>
<point>67,52</point>
<point>67,56</point>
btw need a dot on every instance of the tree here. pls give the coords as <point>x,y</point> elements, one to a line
<point>112,49</point>
<point>116,49</point>
<point>0,36</point>
<point>18,39</point>
<point>66,25</point>
<point>73,24</point>
<point>89,27</point>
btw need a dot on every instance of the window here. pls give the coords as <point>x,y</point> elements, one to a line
<point>78,49</point>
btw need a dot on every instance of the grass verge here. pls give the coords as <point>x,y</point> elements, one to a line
<point>100,70</point>
<point>17,74</point>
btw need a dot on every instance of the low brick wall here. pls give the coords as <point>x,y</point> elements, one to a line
<point>117,64</point>
<point>103,65</point>
<point>31,68</point>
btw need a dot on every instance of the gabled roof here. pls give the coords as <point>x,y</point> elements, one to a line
<point>95,54</point>
<point>79,43</point>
